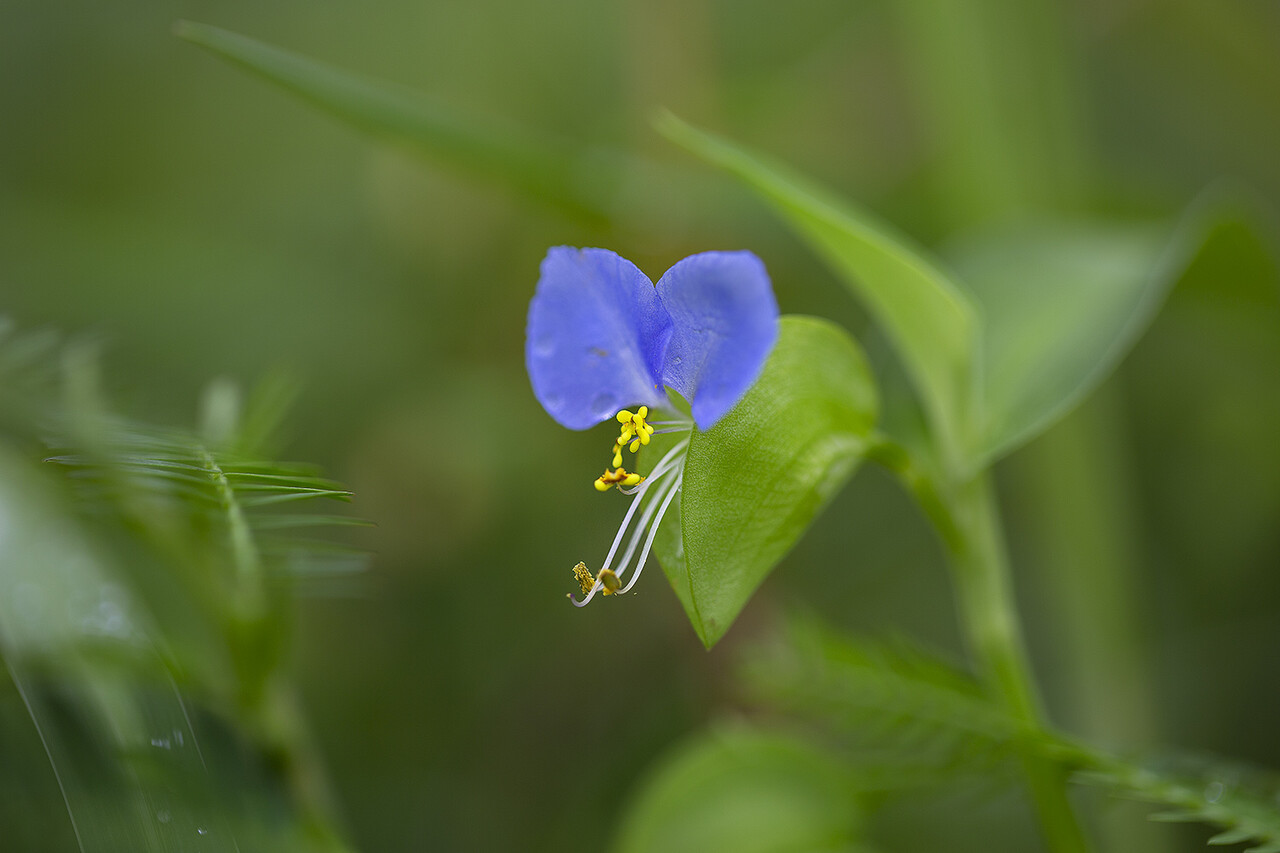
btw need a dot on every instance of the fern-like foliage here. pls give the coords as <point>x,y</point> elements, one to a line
<point>908,718</point>
<point>243,507</point>
<point>28,376</point>
<point>144,604</point>
<point>1243,801</point>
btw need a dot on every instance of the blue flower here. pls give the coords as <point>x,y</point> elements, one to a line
<point>602,338</point>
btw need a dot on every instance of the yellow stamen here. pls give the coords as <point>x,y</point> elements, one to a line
<point>583,576</point>
<point>634,431</point>
<point>617,477</point>
<point>610,582</point>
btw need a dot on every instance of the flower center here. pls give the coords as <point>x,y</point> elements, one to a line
<point>634,433</point>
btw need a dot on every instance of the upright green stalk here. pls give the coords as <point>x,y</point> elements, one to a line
<point>989,618</point>
<point>968,521</point>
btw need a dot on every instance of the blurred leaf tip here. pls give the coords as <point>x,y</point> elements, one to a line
<point>579,182</point>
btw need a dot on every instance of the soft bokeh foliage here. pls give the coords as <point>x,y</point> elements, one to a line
<point>206,225</point>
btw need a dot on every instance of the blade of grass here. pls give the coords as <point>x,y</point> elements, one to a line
<point>577,181</point>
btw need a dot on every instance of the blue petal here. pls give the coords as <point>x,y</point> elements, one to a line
<point>726,322</point>
<point>596,337</point>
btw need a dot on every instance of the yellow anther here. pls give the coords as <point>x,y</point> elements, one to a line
<point>633,434</point>
<point>583,576</point>
<point>617,477</point>
<point>610,582</point>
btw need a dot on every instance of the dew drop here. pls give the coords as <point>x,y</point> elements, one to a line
<point>200,830</point>
<point>1213,791</point>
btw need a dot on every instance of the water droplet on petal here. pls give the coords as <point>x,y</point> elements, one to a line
<point>201,830</point>
<point>1213,791</point>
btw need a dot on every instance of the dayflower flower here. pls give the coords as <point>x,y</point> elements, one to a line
<point>602,338</point>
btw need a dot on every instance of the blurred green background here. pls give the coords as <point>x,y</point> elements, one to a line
<point>205,224</point>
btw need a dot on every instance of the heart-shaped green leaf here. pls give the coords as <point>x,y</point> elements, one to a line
<point>754,482</point>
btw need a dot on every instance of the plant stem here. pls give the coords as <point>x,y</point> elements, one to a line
<point>988,616</point>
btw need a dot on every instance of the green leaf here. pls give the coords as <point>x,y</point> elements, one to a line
<point>1061,305</point>
<point>754,482</point>
<point>485,149</point>
<point>746,791</point>
<point>927,316</point>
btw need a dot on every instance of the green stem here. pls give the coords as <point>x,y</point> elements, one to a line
<point>267,703</point>
<point>988,616</point>
<point>968,522</point>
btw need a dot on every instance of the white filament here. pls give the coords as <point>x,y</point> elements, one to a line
<point>642,527</point>
<point>665,465</point>
<point>653,532</point>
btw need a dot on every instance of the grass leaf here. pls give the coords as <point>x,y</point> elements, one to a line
<point>927,316</point>
<point>512,156</point>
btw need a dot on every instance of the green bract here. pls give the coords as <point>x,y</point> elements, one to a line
<point>754,482</point>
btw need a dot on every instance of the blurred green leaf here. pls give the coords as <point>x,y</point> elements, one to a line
<point>139,567</point>
<point>79,649</point>
<point>755,481</point>
<point>928,317</point>
<point>1061,305</point>
<point>745,791</point>
<point>483,148</point>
